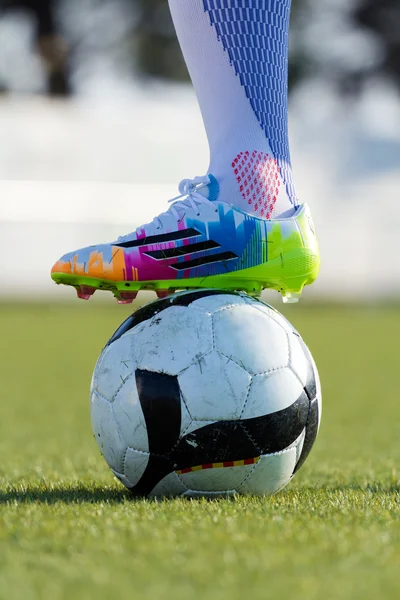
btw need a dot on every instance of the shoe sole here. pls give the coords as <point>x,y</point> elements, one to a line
<point>287,274</point>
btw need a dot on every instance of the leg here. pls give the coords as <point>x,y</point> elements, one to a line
<point>237,56</point>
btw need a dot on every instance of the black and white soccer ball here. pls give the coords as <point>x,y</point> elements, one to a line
<point>205,393</point>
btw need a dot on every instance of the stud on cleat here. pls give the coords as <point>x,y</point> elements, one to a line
<point>291,297</point>
<point>164,293</point>
<point>126,297</point>
<point>85,292</point>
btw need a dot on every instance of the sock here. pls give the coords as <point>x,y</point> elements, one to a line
<point>237,56</point>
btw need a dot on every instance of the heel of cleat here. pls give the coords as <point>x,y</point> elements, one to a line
<point>307,265</point>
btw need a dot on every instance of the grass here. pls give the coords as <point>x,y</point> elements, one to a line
<point>69,530</point>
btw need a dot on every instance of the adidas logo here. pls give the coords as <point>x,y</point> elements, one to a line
<point>186,250</point>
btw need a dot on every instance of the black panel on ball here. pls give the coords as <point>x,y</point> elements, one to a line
<point>227,441</point>
<point>223,441</point>
<point>160,400</point>
<point>311,433</point>
<point>153,308</point>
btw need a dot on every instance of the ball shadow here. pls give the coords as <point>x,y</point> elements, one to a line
<point>81,494</point>
<point>78,494</point>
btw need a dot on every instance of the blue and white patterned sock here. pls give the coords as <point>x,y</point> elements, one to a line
<point>237,55</point>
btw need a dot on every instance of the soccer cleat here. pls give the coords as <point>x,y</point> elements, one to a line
<point>199,242</point>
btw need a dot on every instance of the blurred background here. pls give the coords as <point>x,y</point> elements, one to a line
<point>99,123</point>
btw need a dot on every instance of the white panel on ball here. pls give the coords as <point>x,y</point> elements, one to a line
<point>186,418</point>
<point>298,360</point>
<point>171,342</point>
<point>215,302</point>
<point>122,479</point>
<point>214,388</point>
<point>232,327</point>
<point>271,313</point>
<point>271,393</point>
<point>307,353</point>
<point>170,485</point>
<point>106,432</point>
<point>214,480</point>
<point>129,416</point>
<point>272,473</point>
<point>115,364</point>
<point>135,464</point>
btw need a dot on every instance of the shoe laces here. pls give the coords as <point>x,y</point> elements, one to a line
<point>189,198</point>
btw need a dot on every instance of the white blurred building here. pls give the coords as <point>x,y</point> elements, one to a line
<point>77,173</point>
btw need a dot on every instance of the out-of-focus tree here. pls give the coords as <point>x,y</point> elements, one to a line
<point>48,41</point>
<point>382,19</point>
<point>158,53</point>
<point>345,43</point>
<point>157,49</point>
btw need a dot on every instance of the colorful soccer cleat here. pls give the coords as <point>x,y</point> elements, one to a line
<point>200,242</point>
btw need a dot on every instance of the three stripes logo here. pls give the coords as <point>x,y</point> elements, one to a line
<point>194,247</point>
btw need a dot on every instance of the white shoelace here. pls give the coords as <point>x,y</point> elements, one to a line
<point>189,190</point>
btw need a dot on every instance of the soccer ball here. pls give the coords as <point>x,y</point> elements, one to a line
<point>205,393</point>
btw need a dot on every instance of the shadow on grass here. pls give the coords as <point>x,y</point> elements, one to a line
<point>78,494</point>
<point>81,494</point>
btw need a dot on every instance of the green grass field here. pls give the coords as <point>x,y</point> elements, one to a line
<point>69,530</point>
